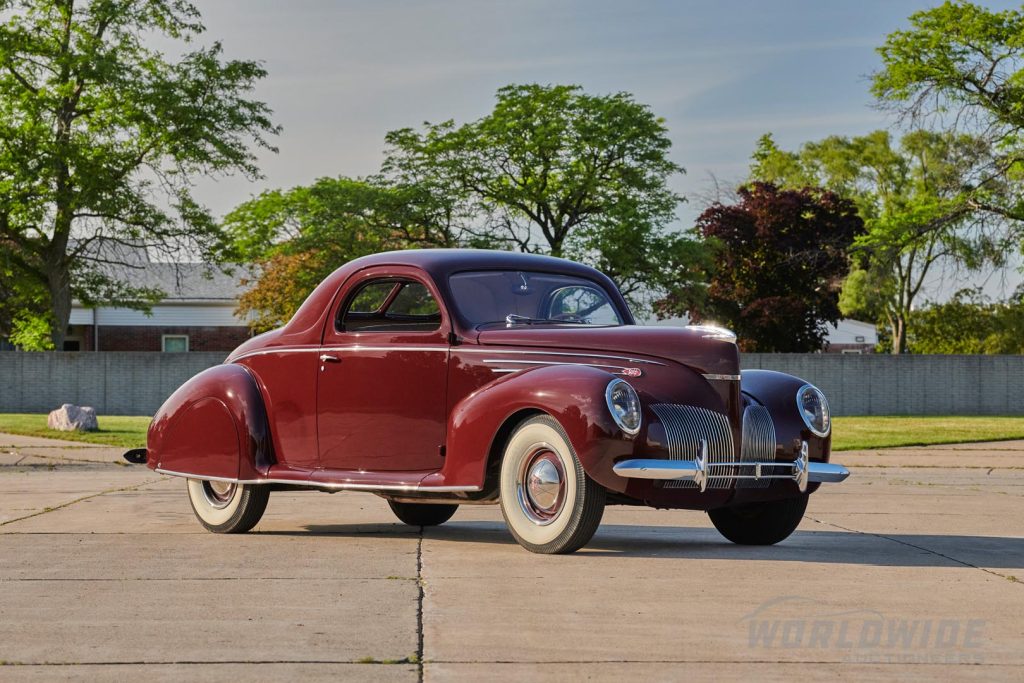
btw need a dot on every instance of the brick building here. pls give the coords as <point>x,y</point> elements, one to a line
<point>197,313</point>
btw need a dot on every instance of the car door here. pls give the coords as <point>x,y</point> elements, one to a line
<point>383,375</point>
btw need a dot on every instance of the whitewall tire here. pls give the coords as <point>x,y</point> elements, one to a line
<point>549,503</point>
<point>227,508</point>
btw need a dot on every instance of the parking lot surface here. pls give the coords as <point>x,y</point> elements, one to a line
<point>913,568</point>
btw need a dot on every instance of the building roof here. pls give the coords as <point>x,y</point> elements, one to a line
<point>194,282</point>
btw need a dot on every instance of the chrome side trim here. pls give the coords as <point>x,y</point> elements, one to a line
<point>727,378</point>
<point>465,349</point>
<point>355,347</point>
<point>325,485</point>
<point>634,372</point>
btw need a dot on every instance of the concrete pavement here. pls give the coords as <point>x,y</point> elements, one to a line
<point>913,568</point>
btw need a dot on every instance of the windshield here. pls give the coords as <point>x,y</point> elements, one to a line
<point>518,297</point>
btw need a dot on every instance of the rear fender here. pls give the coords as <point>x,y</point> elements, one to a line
<point>214,425</point>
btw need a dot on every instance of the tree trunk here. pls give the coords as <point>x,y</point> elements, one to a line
<point>60,306</point>
<point>58,281</point>
<point>899,335</point>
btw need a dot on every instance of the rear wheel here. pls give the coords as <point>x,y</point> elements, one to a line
<point>548,501</point>
<point>760,523</point>
<point>422,514</point>
<point>227,508</point>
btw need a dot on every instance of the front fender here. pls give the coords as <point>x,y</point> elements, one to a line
<point>776,391</point>
<point>572,394</point>
<point>214,425</point>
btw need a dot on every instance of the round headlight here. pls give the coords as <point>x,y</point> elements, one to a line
<point>814,410</point>
<point>624,405</point>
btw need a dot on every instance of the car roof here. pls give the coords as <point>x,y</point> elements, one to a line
<point>439,264</point>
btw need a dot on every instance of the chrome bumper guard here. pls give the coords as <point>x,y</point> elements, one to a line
<point>802,470</point>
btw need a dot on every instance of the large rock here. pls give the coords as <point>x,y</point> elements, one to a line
<point>72,418</point>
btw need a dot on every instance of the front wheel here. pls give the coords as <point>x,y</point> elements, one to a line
<point>422,514</point>
<point>227,508</point>
<point>548,501</point>
<point>760,523</point>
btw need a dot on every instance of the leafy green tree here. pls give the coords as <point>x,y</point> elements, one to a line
<point>961,66</point>
<point>968,323</point>
<point>101,135</point>
<point>555,170</point>
<point>782,255</point>
<point>918,203</point>
<point>297,237</point>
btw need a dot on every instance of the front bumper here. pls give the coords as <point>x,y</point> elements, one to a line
<point>801,471</point>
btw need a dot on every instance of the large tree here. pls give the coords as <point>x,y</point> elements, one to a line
<point>101,135</point>
<point>917,200</point>
<point>295,238</point>
<point>782,255</point>
<point>555,170</point>
<point>960,67</point>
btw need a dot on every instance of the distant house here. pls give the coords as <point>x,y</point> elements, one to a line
<point>198,313</point>
<point>852,336</point>
<point>847,336</point>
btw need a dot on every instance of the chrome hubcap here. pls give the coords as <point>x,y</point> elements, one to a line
<point>218,493</point>
<point>541,485</point>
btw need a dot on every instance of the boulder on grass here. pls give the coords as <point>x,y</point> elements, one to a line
<point>72,418</point>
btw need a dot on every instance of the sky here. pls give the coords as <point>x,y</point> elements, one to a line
<point>721,73</point>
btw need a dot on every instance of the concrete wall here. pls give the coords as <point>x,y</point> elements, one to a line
<point>879,384</point>
<point>137,383</point>
<point>129,383</point>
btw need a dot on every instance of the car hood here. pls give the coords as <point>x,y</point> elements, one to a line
<point>692,347</point>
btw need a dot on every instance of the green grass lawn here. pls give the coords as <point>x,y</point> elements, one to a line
<point>848,433</point>
<point>853,433</point>
<point>127,431</point>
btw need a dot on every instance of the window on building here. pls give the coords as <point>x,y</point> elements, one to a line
<point>175,343</point>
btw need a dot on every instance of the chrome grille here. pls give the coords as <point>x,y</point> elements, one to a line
<point>758,443</point>
<point>685,428</point>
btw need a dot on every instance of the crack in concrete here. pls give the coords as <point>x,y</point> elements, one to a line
<point>78,500</point>
<point>1008,577</point>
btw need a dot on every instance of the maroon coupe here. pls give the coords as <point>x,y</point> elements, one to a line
<point>440,378</point>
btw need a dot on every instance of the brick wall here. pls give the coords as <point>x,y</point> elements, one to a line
<point>200,339</point>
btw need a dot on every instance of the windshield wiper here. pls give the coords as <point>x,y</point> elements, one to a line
<point>515,319</point>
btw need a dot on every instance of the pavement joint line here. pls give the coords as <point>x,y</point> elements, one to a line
<point>58,458</point>
<point>419,607</point>
<point>201,662</point>
<point>78,500</point>
<point>1012,579</point>
<point>406,662</point>
<point>180,579</point>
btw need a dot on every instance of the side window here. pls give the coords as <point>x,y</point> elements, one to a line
<point>371,297</point>
<point>582,304</point>
<point>390,306</point>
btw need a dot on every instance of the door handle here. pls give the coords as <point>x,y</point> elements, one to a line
<point>327,358</point>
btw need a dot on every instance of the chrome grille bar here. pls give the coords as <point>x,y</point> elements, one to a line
<point>757,444</point>
<point>690,429</point>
